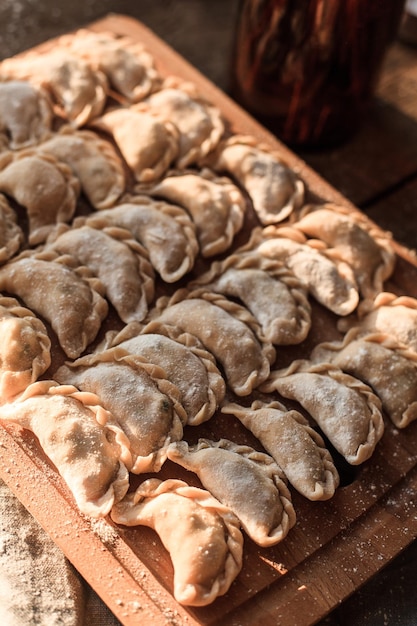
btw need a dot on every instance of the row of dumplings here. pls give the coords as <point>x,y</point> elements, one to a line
<point>192,348</point>
<point>52,127</point>
<point>392,374</point>
<point>114,255</point>
<point>47,180</point>
<point>128,181</point>
<point>156,379</point>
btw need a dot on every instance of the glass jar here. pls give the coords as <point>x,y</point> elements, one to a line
<point>408,28</point>
<point>307,69</point>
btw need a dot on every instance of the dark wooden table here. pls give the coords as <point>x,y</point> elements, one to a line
<point>376,169</point>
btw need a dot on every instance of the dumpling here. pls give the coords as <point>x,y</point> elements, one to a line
<point>25,349</point>
<point>296,447</point>
<point>121,265</point>
<point>60,295</point>
<point>145,405</point>
<point>201,535</point>
<point>273,294</point>
<point>199,123</point>
<point>184,360</point>
<point>226,329</point>
<point>383,364</point>
<point>354,240</point>
<point>80,438</point>
<point>215,204</point>
<point>43,185</point>
<point>148,145</point>
<point>127,65</point>
<point>25,114</point>
<point>331,284</point>
<point>78,92</point>
<point>346,410</point>
<point>166,232</point>
<point>11,235</point>
<point>388,314</point>
<point>274,188</point>
<point>93,161</point>
<point>249,482</point>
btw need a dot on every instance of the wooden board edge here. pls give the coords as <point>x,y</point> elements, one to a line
<point>300,596</point>
<point>129,597</point>
<point>303,599</point>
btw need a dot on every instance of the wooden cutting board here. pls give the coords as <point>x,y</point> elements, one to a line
<point>335,546</point>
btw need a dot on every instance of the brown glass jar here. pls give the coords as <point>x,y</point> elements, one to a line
<point>307,69</point>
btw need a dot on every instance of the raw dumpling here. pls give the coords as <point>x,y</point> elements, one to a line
<point>78,92</point>
<point>43,185</point>
<point>25,114</point>
<point>346,410</point>
<point>144,403</point>
<point>201,535</point>
<point>148,145</point>
<point>93,161</point>
<point>80,438</point>
<point>121,265</point>
<point>128,67</point>
<point>294,445</point>
<point>226,329</point>
<point>354,240</point>
<point>331,284</point>
<point>249,482</point>
<point>199,123</point>
<point>215,204</point>
<point>274,188</point>
<point>273,294</point>
<point>383,364</point>
<point>61,295</point>
<point>166,232</point>
<point>11,235</point>
<point>184,360</point>
<point>388,314</point>
<point>25,349</point>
